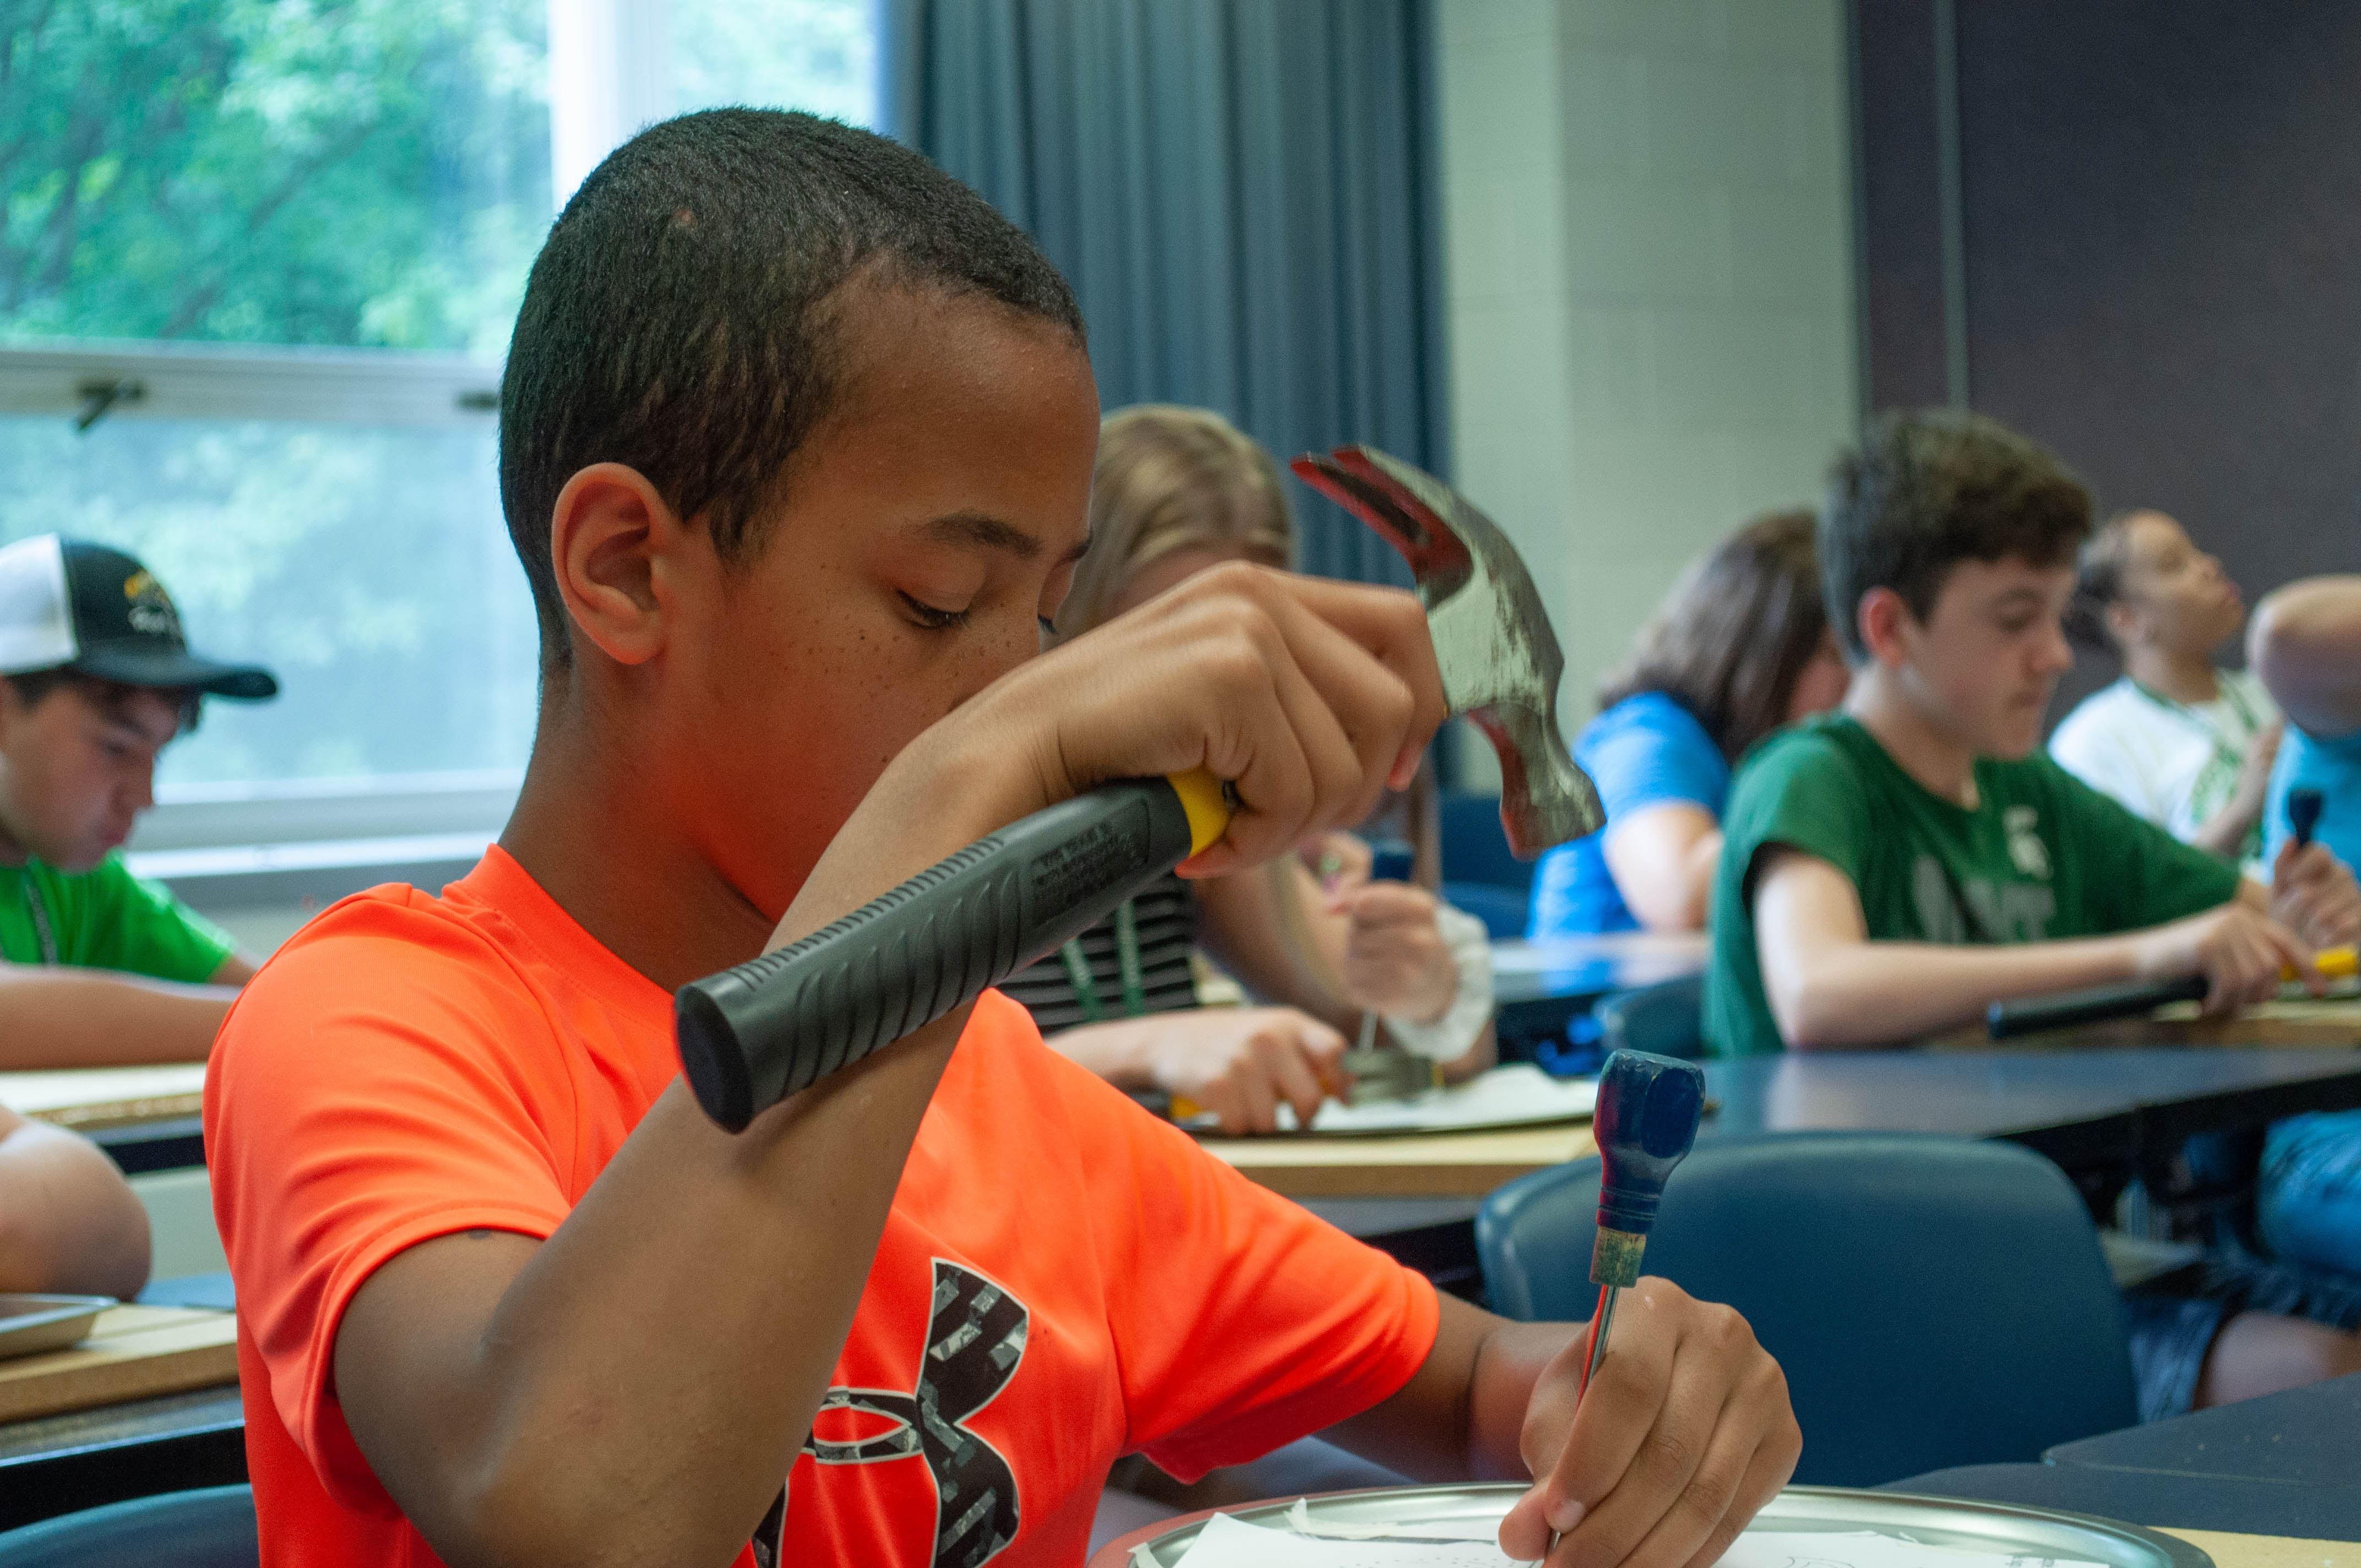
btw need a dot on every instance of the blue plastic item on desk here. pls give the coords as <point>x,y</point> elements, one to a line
<point>1933,1301</point>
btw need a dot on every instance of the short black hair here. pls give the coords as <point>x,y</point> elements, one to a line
<point>1927,490</point>
<point>674,321</point>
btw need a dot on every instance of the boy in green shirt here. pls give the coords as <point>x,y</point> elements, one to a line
<point>97,966</point>
<point>1890,869</point>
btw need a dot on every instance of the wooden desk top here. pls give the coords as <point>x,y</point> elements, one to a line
<point>1415,1165</point>
<point>2270,1550</point>
<point>2332,1023</point>
<point>106,1096</point>
<point>132,1353</point>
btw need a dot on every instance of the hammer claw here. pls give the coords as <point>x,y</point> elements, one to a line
<point>1498,658</point>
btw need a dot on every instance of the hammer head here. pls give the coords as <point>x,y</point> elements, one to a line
<point>1499,659</point>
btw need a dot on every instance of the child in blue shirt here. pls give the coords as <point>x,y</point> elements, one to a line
<point>2306,645</point>
<point>1738,648</point>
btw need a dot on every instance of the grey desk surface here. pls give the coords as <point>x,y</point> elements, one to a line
<point>2238,1506</point>
<point>1592,966</point>
<point>2303,1437</point>
<point>2080,1108</point>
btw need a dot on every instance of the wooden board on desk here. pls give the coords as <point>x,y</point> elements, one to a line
<point>91,1097</point>
<point>2269,1551</point>
<point>1420,1165</point>
<point>132,1353</point>
<point>2333,1022</point>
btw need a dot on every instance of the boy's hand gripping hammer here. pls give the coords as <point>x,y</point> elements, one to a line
<point>753,1035</point>
<point>1647,1120</point>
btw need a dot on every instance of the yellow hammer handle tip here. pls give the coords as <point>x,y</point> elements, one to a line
<point>1208,806</point>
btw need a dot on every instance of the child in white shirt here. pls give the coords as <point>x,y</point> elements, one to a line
<point>2182,742</point>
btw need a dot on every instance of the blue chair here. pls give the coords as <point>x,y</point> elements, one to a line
<point>1667,1019</point>
<point>1934,1301</point>
<point>213,1528</point>
<point>1480,873</point>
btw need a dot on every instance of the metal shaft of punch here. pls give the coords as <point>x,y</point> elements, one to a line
<point>1600,1322</point>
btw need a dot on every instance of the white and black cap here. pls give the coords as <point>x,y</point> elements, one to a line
<point>70,604</point>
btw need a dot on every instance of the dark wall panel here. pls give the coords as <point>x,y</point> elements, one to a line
<point>1902,242</point>
<point>2162,250</point>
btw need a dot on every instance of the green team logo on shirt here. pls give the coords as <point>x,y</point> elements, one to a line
<point>1978,909</point>
<point>2026,849</point>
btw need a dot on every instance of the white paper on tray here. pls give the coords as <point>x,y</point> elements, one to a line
<point>1515,1094</point>
<point>1227,1542</point>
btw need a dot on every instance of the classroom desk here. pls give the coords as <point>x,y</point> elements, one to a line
<point>1593,966</point>
<point>2085,1110</point>
<point>2184,1505</point>
<point>84,1459</point>
<point>2302,1437</point>
<point>146,1118</point>
<point>1541,988</point>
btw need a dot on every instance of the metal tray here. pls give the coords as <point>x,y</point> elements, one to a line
<point>31,1324</point>
<point>1930,1521</point>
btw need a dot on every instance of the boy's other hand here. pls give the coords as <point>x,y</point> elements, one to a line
<point>2239,950</point>
<point>1339,862</point>
<point>2313,895</point>
<point>1686,1434</point>
<point>1240,1063</point>
<point>1395,961</point>
<point>1310,696</point>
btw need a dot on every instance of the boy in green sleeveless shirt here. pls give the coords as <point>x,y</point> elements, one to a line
<point>97,966</point>
<point>1890,869</point>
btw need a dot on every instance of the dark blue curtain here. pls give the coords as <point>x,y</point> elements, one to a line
<point>1242,192</point>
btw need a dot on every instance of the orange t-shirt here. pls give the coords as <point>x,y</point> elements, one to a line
<point>1062,1278</point>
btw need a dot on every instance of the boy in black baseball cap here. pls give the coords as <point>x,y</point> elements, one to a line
<point>95,679</point>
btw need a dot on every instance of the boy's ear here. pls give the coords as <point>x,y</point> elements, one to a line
<point>610,536</point>
<point>1882,618</point>
<point>2123,622</point>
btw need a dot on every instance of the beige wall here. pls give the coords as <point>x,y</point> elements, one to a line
<point>1648,254</point>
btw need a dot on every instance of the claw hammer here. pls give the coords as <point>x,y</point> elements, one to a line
<point>753,1035</point>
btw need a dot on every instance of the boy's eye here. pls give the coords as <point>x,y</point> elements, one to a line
<point>932,617</point>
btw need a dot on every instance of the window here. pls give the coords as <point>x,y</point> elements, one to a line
<point>258,261</point>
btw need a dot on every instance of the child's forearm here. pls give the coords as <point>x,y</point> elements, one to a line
<point>1860,995</point>
<point>2225,832</point>
<point>2306,645</point>
<point>1118,1051</point>
<point>68,1220</point>
<point>55,1017</point>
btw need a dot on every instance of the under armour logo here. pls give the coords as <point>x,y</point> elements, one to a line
<point>975,1337</point>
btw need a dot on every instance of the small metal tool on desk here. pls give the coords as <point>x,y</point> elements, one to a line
<point>1649,1107</point>
<point>1388,1072</point>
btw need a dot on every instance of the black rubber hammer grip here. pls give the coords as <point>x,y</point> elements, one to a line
<point>751,1035</point>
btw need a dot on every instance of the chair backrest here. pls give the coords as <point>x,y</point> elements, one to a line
<point>1667,1019</point>
<point>1934,1301</point>
<point>1474,846</point>
<point>1504,911</point>
<point>213,1528</point>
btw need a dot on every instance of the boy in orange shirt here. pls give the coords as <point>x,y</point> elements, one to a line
<point>796,444</point>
